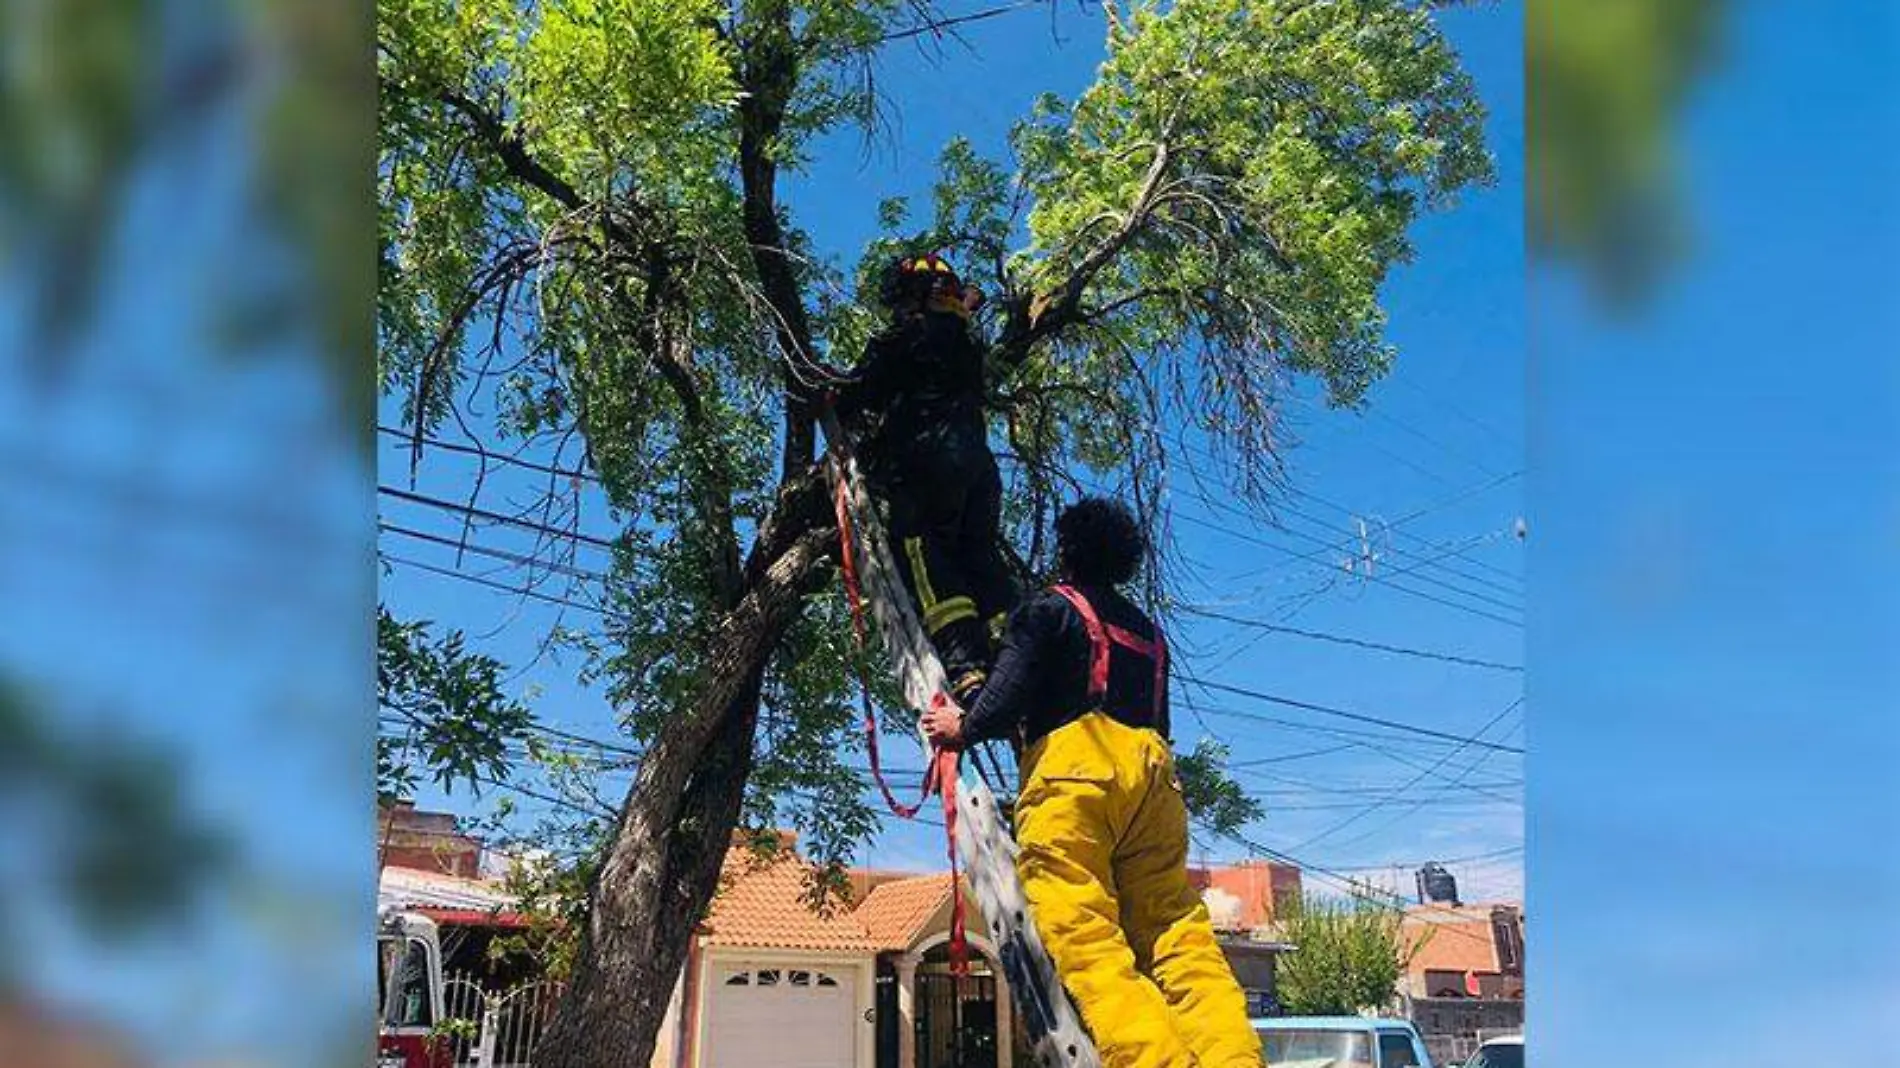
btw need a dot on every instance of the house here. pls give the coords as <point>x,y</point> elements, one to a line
<point>1464,951</point>
<point>1249,896</point>
<point>430,867</point>
<point>866,984</point>
<point>1465,980</point>
<point>1245,902</point>
<point>426,841</point>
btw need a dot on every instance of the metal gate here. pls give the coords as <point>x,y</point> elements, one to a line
<point>956,1021</point>
<point>507,1024</point>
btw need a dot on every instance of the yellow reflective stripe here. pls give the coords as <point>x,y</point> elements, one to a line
<point>920,574</point>
<point>947,612</point>
<point>998,623</point>
<point>966,682</point>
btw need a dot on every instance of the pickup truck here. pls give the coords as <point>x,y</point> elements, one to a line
<point>1340,1042</point>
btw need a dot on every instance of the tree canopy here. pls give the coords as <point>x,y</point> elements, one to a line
<point>580,221</point>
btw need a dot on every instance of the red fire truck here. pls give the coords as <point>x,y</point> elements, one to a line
<point>409,993</point>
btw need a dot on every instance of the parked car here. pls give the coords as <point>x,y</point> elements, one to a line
<point>1505,1051</point>
<point>1340,1042</point>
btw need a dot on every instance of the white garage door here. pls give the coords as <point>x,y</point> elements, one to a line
<point>783,1016</point>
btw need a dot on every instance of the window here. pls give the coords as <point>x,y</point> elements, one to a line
<point>388,951</point>
<point>826,980</point>
<point>799,979</point>
<point>1316,1048</point>
<point>768,976</point>
<point>740,979</point>
<point>1510,944</point>
<point>1395,1050</point>
<point>1499,1057</point>
<point>409,962</point>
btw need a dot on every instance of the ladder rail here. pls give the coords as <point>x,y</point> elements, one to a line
<point>988,851</point>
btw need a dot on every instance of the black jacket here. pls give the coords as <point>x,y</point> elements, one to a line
<point>1041,677</point>
<point>924,377</point>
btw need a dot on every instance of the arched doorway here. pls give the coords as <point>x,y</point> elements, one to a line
<point>955,1018</point>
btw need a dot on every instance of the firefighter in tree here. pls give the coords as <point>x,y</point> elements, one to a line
<point>926,453</point>
<point>1100,822</point>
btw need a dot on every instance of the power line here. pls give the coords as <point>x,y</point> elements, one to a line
<point>1447,861</point>
<point>1354,887</point>
<point>1303,789</point>
<point>1353,738</point>
<point>1453,409</point>
<point>1395,525</point>
<point>591,810</point>
<point>1382,580</point>
<point>1408,762</point>
<point>1289,757</point>
<point>1461,780</point>
<point>502,458</point>
<point>1428,509</point>
<point>497,554</point>
<point>1339,639</point>
<point>1415,780</point>
<point>1456,454</point>
<point>1380,414</point>
<point>494,517</point>
<point>1223,687</point>
<point>502,587</point>
<point>1360,717</point>
<point>1326,547</point>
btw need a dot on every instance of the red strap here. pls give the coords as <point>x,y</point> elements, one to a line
<point>1129,640</point>
<point>1098,643</point>
<point>940,778</point>
<point>943,768</point>
<point>1102,635</point>
<point>848,564</point>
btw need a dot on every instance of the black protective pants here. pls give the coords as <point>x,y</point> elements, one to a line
<point>945,528</point>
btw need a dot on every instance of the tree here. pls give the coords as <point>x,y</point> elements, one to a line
<point>581,221</point>
<point>1218,802</point>
<point>1349,956</point>
<point>451,718</point>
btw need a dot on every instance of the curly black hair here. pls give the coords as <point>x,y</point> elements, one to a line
<point>1099,542</point>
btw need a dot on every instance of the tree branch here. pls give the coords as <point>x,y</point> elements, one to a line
<point>1032,319</point>
<point>769,74</point>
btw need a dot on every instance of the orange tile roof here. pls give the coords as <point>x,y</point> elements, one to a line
<point>865,880</point>
<point>761,904</point>
<point>895,913</point>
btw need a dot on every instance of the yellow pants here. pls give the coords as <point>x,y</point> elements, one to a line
<point>1103,838</point>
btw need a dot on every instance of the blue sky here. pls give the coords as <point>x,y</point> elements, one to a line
<point>1444,433</point>
<point>1713,588</point>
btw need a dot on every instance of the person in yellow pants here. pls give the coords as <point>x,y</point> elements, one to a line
<point>1100,823</point>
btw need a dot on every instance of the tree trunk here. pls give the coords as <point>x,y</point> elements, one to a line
<point>676,824</point>
<point>659,876</point>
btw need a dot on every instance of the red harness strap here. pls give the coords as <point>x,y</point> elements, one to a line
<point>1102,636</point>
<point>941,776</point>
